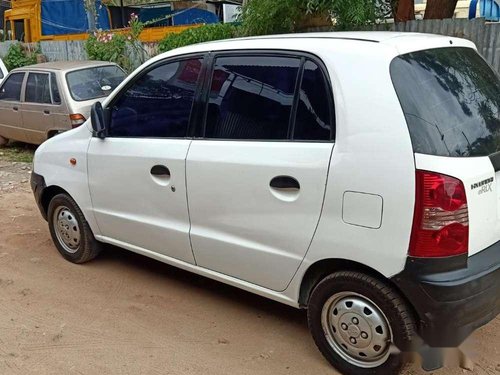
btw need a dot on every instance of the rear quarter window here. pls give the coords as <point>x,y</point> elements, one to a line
<point>451,101</point>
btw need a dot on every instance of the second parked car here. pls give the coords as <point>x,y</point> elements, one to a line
<point>40,101</point>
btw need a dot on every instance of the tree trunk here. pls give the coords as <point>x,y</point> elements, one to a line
<point>439,9</point>
<point>405,11</point>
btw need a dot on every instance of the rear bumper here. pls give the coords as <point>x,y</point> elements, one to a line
<point>38,186</point>
<point>452,296</point>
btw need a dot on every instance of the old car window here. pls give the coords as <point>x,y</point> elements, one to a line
<point>37,88</point>
<point>94,82</point>
<point>451,101</point>
<point>11,88</point>
<point>251,97</point>
<point>313,121</point>
<point>159,103</point>
<point>56,96</point>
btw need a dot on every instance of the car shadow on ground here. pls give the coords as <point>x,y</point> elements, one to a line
<point>219,291</point>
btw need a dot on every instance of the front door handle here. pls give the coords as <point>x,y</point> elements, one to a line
<point>15,108</point>
<point>46,111</point>
<point>160,171</point>
<point>284,182</point>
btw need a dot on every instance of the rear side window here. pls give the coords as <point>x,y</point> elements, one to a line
<point>11,88</point>
<point>251,97</point>
<point>451,101</point>
<point>56,96</point>
<point>38,88</point>
<point>313,121</point>
<point>159,103</point>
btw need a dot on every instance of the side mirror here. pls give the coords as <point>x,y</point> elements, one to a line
<point>99,120</point>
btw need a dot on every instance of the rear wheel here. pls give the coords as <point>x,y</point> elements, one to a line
<point>70,231</point>
<point>3,141</point>
<point>360,324</point>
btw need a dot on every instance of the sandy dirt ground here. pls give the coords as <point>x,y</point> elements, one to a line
<point>126,314</point>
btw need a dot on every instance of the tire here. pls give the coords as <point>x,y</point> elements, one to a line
<point>70,231</point>
<point>3,141</point>
<point>352,316</point>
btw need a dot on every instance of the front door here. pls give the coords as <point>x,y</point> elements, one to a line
<point>256,182</point>
<point>137,173</point>
<point>11,125</point>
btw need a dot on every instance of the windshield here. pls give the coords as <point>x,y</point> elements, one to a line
<point>451,101</point>
<point>95,82</point>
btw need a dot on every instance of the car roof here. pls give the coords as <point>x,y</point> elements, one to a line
<point>398,42</point>
<point>65,65</point>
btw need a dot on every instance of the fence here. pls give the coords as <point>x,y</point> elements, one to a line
<point>485,35</point>
<point>75,50</point>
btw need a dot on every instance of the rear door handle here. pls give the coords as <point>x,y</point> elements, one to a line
<point>284,182</point>
<point>46,111</point>
<point>160,170</point>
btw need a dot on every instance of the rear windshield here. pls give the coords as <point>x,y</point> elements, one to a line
<point>451,101</point>
<point>93,83</point>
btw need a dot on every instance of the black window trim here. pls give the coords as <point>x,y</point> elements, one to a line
<point>169,60</point>
<point>304,56</point>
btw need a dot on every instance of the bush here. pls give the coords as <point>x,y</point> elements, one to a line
<point>17,56</point>
<point>106,46</point>
<point>200,34</point>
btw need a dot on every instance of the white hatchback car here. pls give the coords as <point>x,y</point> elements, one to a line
<point>352,174</point>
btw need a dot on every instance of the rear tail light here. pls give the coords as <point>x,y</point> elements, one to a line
<point>76,120</point>
<point>441,218</point>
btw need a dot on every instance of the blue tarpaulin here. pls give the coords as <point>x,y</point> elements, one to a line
<point>61,17</point>
<point>180,16</point>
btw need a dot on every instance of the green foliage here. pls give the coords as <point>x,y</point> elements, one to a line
<point>200,34</point>
<point>17,56</point>
<point>261,17</point>
<point>106,46</point>
<point>116,47</point>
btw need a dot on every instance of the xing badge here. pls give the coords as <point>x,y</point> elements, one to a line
<point>484,186</point>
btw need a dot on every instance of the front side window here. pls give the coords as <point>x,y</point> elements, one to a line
<point>251,97</point>
<point>11,88</point>
<point>95,82</point>
<point>38,88</point>
<point>313,120</point>
<point>159,103</point>
<point>451,101</point>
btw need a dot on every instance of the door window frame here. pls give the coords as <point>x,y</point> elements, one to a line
<point>50,89</point>
<point>169,60</point>
<point>200,130</point>
<point>21,94</point>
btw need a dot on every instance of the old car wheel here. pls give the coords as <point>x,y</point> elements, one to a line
<point>360,324</point>
<point>70,231</point>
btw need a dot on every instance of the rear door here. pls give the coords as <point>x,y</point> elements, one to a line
<point>11,126</point>
<point>256,180</point>
<point>451,100</point>
<point>37,107</point>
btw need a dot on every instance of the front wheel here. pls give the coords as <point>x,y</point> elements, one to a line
<point>70,231</point>
<point>360,324</point>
